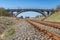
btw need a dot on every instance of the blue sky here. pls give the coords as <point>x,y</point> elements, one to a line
<point>29,3</point>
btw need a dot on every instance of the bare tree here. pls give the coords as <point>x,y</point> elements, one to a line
<point>58,7</point>
<point>21,17</point>
<point>27,17</point>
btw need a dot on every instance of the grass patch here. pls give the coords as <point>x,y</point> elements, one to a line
<point>9,32</point>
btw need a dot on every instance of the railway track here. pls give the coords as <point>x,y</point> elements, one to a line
<point>54,28</point>
<point>50,34</point>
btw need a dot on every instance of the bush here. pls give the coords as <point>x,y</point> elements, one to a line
<point>4,13</point>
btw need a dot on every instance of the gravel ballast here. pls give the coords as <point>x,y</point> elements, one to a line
<point>25,31</point>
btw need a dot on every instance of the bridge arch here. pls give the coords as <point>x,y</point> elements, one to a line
<point>42,11</point>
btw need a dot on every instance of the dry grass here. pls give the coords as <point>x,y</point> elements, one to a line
<point>55,17</point>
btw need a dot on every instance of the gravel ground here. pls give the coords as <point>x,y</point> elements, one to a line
<point>6,22</point>
<point>25,31</point>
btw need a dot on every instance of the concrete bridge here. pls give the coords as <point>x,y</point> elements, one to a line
<point>42,11</point>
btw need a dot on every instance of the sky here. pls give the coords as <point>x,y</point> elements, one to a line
<point>29,4</point>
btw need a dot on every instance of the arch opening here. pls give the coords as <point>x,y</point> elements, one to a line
<point>30,14</point>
